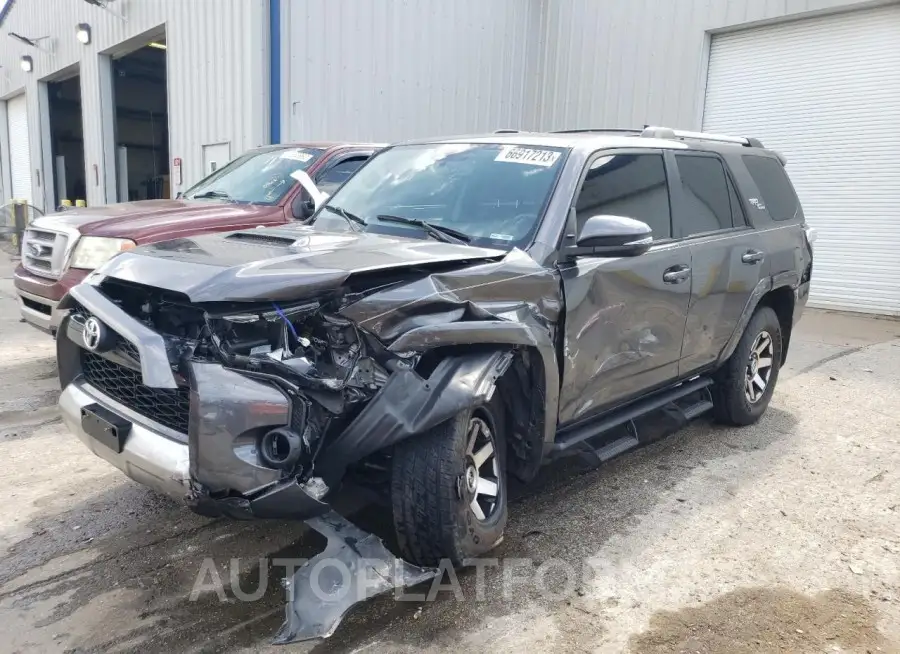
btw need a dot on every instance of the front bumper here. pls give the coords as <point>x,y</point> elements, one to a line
<point>39,297</point>
<point>152,457</point>
<point>39,312</point>
<point>148,457</point>
<point>201,449</point>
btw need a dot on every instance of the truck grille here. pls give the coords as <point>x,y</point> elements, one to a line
<point>43,252</point>
<point>167,406</point>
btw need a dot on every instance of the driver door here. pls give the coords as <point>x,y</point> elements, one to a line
<point>625,317</point>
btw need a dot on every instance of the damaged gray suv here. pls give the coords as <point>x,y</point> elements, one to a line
<point>458,313</point>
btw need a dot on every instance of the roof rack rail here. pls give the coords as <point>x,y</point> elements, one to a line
<point>506,131</point>
<point>668,133</point>
<point>617,130</point>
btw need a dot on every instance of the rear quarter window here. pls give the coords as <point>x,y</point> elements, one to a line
<point>774,186</point>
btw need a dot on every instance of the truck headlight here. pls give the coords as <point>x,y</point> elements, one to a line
<point>93,251</point>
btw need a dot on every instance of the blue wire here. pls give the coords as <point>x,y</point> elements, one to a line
<point>284,318</point>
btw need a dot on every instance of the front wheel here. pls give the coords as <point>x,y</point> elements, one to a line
<point>744,385</point>
<point>448,489</point>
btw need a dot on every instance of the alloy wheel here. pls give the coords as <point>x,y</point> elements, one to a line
<point>480,483</point>
<point>759,367</point>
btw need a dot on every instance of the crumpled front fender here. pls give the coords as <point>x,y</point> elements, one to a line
<point>497,332</point>
<point>408,404</point>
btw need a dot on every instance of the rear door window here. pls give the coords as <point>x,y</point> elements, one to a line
<point>707,205</point>
<point>774,186</point>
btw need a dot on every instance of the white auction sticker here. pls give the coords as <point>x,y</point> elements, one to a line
<point>530,156</point>
<point>296,155</point>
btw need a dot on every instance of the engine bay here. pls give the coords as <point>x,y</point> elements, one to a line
<point>327,366</point>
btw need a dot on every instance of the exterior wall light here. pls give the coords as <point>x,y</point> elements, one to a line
<point>27,63</point>
<point>83,33</point>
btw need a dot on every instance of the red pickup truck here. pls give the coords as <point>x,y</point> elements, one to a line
<point>256,189</point>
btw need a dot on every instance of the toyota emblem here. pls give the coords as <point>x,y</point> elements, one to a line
<point>93,333</point>
<point>35,249</point>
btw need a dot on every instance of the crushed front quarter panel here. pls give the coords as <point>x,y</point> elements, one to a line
<point>513,288</point>
<point>514,301</point>
<point>408,405</point>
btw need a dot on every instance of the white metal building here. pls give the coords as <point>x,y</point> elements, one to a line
<point>818,80</point>
<point>215,62</point>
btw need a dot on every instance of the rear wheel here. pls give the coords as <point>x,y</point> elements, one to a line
<point>745,384</point>
<point>448,489</point>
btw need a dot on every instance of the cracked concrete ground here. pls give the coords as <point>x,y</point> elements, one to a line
<point>784,536</point>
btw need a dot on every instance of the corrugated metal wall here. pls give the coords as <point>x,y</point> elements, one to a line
<point>626,63</point>
<point>383,71</point>
<point>217,55</point>
<point>387,69</point>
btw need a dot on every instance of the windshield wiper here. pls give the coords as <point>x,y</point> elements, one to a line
<point>439,232</point>
<point>211,194</point>
<point>346,215</point>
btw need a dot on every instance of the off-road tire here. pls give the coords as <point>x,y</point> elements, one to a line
<point>431,519</point>
<point>731,405</point>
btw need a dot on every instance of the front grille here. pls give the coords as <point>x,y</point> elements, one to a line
<point>36,306</point>
<point>42,235</point>
<point>167,406</point>
<point>129,349</point>
<point>43,252</point>
<point>39,265</point>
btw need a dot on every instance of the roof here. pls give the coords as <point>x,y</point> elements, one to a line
<point>322,145</point>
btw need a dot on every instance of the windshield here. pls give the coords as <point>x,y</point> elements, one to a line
<point>494,194</point>
<point>257,177</point>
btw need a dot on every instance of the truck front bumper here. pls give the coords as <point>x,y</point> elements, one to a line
<point>39,311</point>
<point>39,297</point>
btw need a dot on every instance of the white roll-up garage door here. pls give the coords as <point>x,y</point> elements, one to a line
<point>826,92</point>
<point>19,151</point>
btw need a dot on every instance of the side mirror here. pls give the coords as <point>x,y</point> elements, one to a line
<point>302,207</point>
<point>614,236</point>
<point>318,197</point>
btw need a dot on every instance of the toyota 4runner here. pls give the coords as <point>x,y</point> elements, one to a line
<point>460,311</point>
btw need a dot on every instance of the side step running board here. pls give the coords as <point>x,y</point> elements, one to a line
<point>616,448</point>
<point>577,440</point>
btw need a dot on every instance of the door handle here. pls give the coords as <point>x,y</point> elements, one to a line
<point>676,274</point>
<point>753,256</point>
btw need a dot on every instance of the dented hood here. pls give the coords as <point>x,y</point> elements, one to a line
<point>279,264</point>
